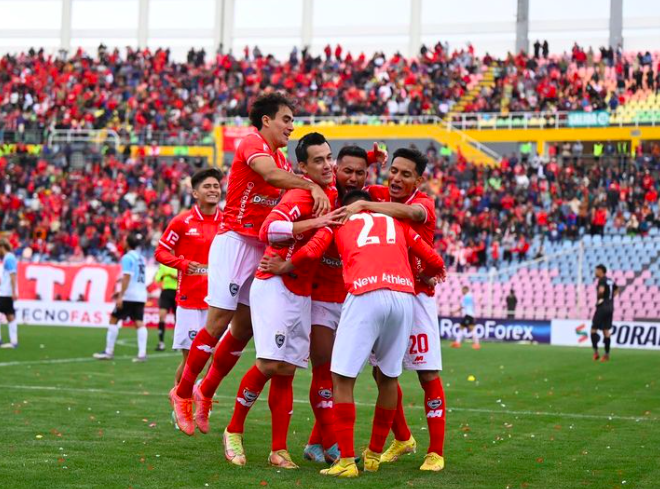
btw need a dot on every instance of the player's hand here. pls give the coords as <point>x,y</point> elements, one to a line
<point>429,281</point>
<point>334,218</point>
<point>354,208</point>
<point>193,268</point>
<point>380,155</point>
<point>273,263</point>
<point>120,302</point>
<point>14,296</point>
<point>321,201</point>
<point>442,274</point>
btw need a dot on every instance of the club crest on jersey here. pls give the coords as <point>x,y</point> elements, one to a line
<point>192,334</point>
<point>279,339</point>
<point>233,289</point>
<point>325,393</point>
<point>434,403</point>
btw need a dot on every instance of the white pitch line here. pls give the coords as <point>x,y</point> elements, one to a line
<point>306,401</point>
<point>80,360</point>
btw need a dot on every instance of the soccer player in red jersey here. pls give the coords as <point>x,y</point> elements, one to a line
<point>185,246</point>
<point>403,200</point>
<point>376,317</point>
<point>281,307</point>
<point>258,173</point>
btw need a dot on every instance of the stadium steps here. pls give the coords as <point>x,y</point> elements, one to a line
<point>470,148</point>
<point>488,81</point>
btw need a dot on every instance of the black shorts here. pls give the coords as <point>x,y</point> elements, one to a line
<point>7,306</point>
<point>167,300</point>
<point>603,317</point>
<point>129,310</point>
<point>467,321</point>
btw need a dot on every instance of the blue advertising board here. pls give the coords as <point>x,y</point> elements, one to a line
<point>500,329</point>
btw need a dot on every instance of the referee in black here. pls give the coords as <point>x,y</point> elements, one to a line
<point>605,292</point>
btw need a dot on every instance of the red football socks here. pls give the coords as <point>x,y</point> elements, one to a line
<point>251,386</point>
<point>321,399</point>
<point>280,402</point>
<point>400,425</point>
<point>381,428</point>
<point>436,411</point>
<point>315,436</point>
<point>344,428</point>
<point>200,351</point>
<point>227,353</point>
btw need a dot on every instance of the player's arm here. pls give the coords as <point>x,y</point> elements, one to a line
<point>434,264</point>
<point>601,294</point>
<point>402,212</point>
<point>125,280</point>
<point>14,286</point>
<point>167,250</point>
<point>265,166</point>
<point>312,251</point>
<point>615,290</point>
<point>280,226</point>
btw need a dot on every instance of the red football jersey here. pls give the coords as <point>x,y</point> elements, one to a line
<point>188,238</point>
<point>426,228</point>
<point>374,252</point>
<point>328,283</point>
<point>249,197</point>
<point>296,205</point>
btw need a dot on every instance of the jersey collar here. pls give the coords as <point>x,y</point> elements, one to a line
<point>198,213</point>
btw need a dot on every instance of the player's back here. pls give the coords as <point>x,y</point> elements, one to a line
<point>374,253</point>
<point>249,198</point>
<point>134,264</point>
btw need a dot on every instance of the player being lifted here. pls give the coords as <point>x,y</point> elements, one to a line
<point>602,320</point>
<point>281,307</point>
<point>130,300</point>
<point>403,200</point>
<point>185,246</point>
<point>258,173</point>
<point>9,292</point>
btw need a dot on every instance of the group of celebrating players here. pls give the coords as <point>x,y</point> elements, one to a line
<point>316,268</point>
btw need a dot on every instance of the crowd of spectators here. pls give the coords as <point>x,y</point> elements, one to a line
<point>144,94</point>
<point>53,209</point>
<point>486,215</point>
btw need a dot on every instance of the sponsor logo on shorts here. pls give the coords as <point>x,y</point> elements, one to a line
<point>419,359</point>
<point>248,398</point>
<point>325,393</point>
<point>192,334</point>
<point>233,289</point>
<point>435,414</point>
<point>279,339</point>
<point>205,348</point>
<point>434,403</point>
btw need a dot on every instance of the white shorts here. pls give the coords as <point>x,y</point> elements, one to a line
<point>281,322</point>
<point>188,322</point>
<point>233,259</point>
<point>326,314</point>
<point>423,351</point>
<point>378,322</point>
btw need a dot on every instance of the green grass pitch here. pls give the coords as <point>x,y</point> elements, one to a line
<point>536,417</point>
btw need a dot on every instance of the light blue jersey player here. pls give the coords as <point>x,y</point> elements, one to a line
<point>130,300</point>
<point>9,291</point>
<point>466,328</point>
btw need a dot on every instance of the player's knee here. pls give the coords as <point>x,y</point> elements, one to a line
<point>427,375</point>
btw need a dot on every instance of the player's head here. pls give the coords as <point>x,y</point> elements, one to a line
<point>5,246</point>
<point>601,271</point>
<point>406,172</point>
<point>315,158</point>
<point>272,115</point>
<point>354,196</point>
<point>351,169</point>
<point>465,289</point>
<point>206,186</point>
<point>133,241</point>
